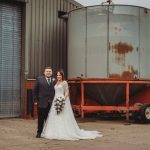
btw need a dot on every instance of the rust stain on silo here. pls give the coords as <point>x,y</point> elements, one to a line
<point>122,48</point>
<point>115,28</point>
<point>127,74</point>
<point>114,75</point>
<point>130,73</point>
<point>134,72</point>
<point>120,59</point>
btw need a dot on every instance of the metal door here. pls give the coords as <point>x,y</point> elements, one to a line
<point>10,55</point>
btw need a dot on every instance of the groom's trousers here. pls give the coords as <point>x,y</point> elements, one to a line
<point>42,116</point>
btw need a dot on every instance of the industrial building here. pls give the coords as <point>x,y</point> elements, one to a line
<point>32,35</point>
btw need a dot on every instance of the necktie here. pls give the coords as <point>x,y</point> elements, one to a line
<point>49,81</point>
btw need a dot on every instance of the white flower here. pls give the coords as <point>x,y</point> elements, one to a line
<point>59,104</point>
<point>53,79</point>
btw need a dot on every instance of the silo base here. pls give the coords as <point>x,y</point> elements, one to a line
<point>108,95</point>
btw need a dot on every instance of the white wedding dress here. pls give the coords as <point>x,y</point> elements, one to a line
<point>63,126</point>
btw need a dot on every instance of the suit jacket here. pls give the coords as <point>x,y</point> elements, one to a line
<point>43,92</point>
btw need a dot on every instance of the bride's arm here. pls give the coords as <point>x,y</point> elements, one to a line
<point>66,89</point>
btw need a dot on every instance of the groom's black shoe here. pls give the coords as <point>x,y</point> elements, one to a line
<point>38,135</point>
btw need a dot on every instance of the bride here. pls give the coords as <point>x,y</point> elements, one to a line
<point>63,126</point>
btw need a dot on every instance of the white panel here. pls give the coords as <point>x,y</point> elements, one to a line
<point>76,44</point>
<point>96,43</point>
<point>144,43</point>
<point>124,43</point>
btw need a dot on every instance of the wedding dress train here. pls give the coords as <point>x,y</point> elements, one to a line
<point>63,126</point>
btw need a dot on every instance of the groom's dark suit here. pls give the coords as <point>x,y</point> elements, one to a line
<point>44,94</point>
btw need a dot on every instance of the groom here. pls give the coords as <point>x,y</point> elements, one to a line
<point>44,93</point>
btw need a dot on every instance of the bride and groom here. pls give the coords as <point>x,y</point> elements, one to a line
<point>60,126</point>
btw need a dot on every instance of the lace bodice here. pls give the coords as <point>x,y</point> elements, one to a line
<point>62,89</point>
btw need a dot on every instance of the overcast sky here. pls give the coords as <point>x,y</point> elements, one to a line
<point>143,3</point>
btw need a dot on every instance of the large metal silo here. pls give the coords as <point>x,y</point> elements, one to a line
<point>109,41</point>
<point>108,59</point>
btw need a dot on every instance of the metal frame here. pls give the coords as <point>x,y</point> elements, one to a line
<point>82,81</point>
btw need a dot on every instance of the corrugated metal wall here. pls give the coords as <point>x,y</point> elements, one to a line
<point>45,36</point>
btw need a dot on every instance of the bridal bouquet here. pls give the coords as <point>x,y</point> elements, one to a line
<point>59,104</point>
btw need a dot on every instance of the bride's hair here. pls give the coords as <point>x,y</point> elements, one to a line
<point>62,74</point>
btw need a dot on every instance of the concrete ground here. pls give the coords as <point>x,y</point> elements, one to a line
<point>19,134</point>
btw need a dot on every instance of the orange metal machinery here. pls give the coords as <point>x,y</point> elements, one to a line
<point>87,95</point>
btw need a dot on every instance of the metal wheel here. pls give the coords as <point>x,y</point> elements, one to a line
<point>136,115</point>
<point>145,113</point>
